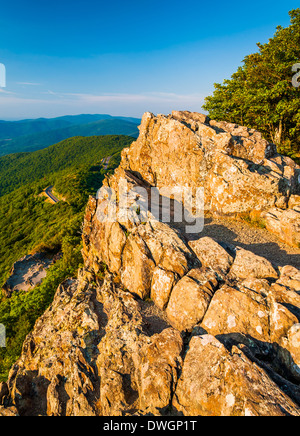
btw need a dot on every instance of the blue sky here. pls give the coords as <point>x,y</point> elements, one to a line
<point>125,57</point>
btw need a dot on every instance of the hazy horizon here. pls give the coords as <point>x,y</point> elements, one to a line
<point>64,115</point>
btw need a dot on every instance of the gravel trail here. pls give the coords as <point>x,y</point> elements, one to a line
<point>257,240</point>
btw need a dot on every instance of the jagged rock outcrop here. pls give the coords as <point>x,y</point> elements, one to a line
<point>160,323</point>
<point>240,171</point>
<point>96,351</point>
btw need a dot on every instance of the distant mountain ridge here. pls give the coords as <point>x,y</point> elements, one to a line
<point>31,135</point>
<point>19,169</point>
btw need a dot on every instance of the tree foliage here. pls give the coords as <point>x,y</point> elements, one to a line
<point>260,94</point>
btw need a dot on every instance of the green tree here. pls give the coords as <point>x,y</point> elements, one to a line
<point>260,94</point>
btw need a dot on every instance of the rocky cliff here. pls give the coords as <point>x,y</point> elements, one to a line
<point>163,322</point>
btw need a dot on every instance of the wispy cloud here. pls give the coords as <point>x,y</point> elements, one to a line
<point>29,84</point>
<point>57,103</point>
<point>3,91</point>
<point>131,98</point>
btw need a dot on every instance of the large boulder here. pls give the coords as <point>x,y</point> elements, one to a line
<point>190,299</point>
<point>247,264</point>
<point>212,254</point>
<point>290,277</point>
<point>238,310</point>
<point>284,223</point>
<point>216,382</point>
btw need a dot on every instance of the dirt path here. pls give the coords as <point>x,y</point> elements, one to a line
<point>259,241</point>
<point>238,233</point>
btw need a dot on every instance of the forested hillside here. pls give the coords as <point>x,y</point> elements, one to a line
<point>30,224</point>
<point>21,168</point>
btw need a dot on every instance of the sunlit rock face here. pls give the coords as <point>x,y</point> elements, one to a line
<point>160,323</point>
